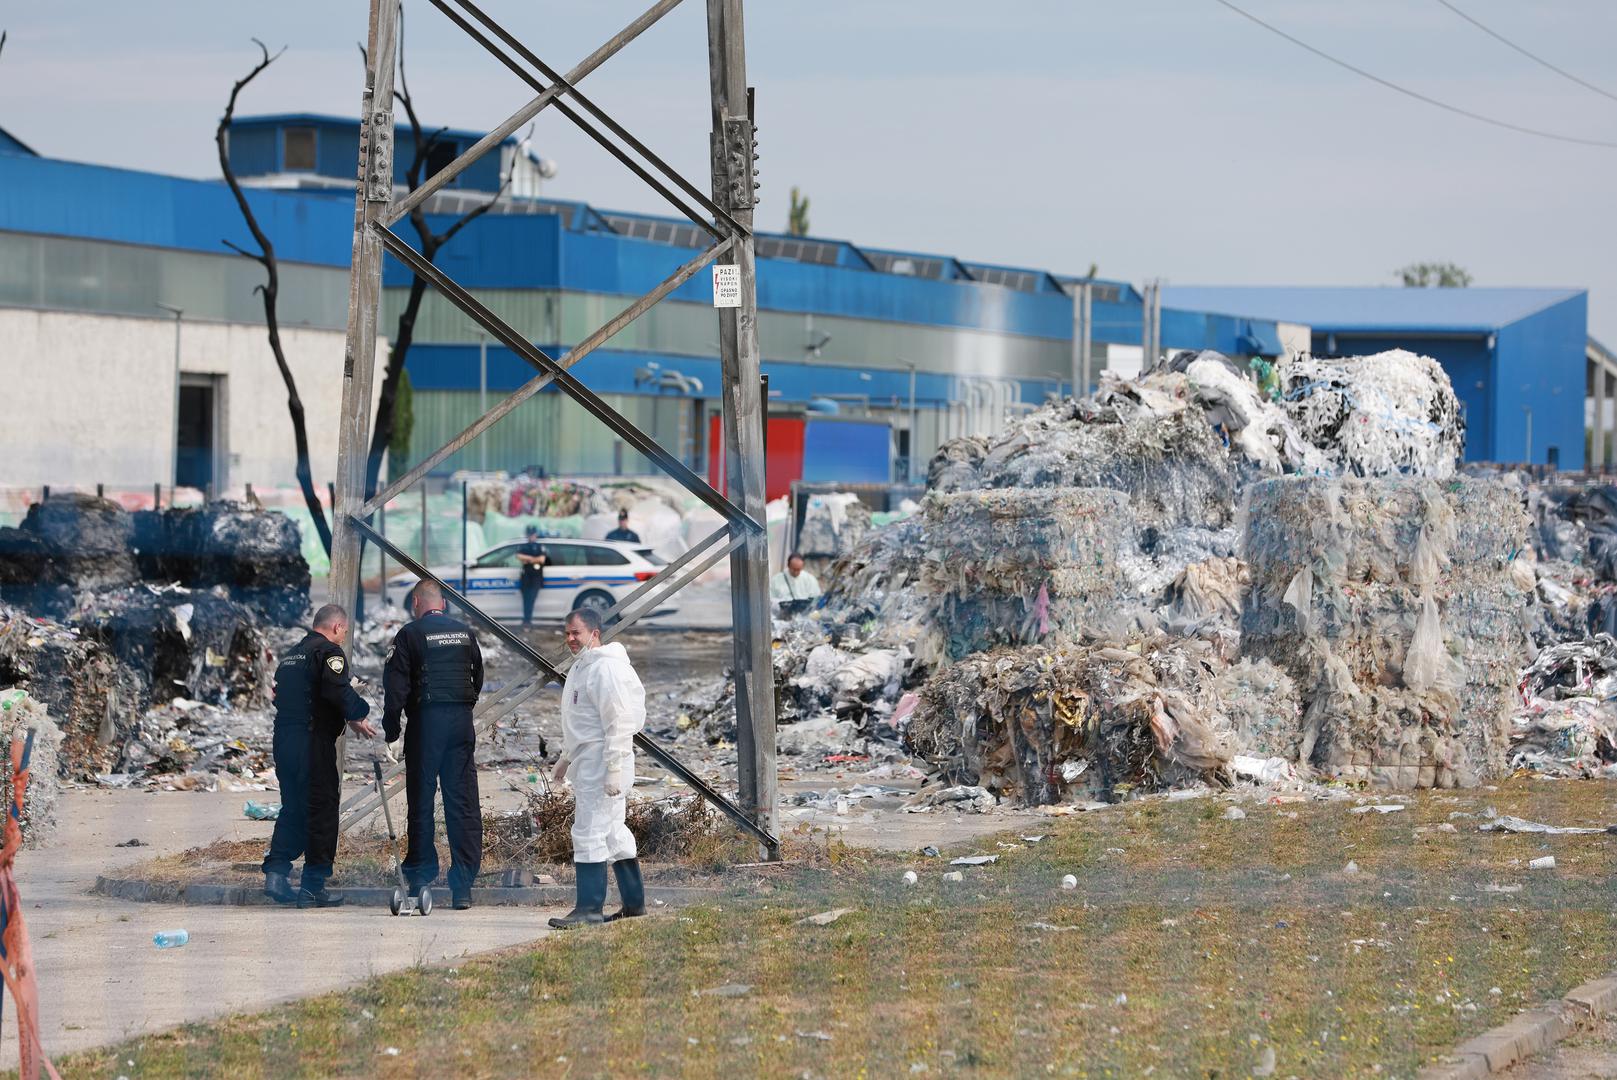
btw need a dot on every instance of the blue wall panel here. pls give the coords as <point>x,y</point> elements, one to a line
<point>1542,368</point>
<point>847,452</point>
<point>253,152</point>
<point>61,198</point>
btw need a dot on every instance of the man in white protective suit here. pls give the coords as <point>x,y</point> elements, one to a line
<point>603,708</point>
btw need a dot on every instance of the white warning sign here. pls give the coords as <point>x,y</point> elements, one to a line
<point>726,285</point>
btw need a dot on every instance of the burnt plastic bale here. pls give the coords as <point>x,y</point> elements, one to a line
<point>1173,465</point>
<point>89,540</point>
<point>1395,605</point>
<point>180,643</point>
<point>29,577</point>
<point>1016,565</point>
<point>20,716</point>
<point>256,554</point>
<point>91,697</point>
<point>1045,723</point>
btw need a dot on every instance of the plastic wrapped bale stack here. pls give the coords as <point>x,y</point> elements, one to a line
<point>1395,605</point>
<point>1014,565</point>
<point>1044,723</point>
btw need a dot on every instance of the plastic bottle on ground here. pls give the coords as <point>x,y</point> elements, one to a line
<point>170,939</point>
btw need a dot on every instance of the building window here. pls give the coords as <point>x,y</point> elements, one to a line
<point>299,150</point>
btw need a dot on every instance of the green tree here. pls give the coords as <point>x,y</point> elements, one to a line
<point>398,443</point>
<point>1428,274</point>
<point>797,219</point>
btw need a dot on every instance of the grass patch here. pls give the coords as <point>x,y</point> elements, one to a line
<point>1192,945</point>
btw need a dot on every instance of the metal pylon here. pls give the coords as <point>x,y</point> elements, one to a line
<point>726,216</point>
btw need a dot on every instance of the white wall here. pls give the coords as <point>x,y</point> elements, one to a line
<point>87,399</point>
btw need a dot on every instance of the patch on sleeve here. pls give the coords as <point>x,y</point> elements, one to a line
<point>389,655</point>
<point>336,664</point>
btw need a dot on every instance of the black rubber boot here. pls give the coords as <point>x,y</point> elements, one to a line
<point>278,889</point>
<point>321,898</point>
<point>461,901</point>
<point>631,890</point>
<point>591,897</point>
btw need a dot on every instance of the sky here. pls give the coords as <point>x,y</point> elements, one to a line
<point>1167,139</point>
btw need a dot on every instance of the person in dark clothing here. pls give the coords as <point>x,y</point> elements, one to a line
<point>314,698</point>
<point>433,675</point>
<point>532,557</point>
<point>623,532</point>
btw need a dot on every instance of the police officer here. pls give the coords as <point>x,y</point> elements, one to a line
<point>314,697</point>
<point>434,674</point>
<point>532,557</point>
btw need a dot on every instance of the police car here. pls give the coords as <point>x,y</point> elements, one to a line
<point>592,574</point>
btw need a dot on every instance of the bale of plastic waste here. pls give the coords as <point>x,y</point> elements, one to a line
<point>833,524</point>
<point>1042,723</point>
<point>29,577</point>
<point>1389,413</point>
<point>955,465</point>
<point>1394,605</point>
<point>88,540</point>
<point>1164,454</point>
<point>21,714</point>
<point>1014,565</point>
<point>255,554</point>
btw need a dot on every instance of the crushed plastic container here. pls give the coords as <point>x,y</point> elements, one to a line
<point>262,811</point>
<point>170,939</point>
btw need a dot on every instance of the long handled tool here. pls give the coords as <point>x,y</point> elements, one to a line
<point>403,901</point>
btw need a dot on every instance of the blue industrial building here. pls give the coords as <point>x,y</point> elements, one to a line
<point>877,332</point>
<point>1516,356</point>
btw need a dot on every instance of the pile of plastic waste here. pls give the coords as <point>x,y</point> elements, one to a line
<point>1567,722</point>
<point>21,716</point>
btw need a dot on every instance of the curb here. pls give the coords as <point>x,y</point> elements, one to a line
<point>208,893</point>
<point>1526,1034</point>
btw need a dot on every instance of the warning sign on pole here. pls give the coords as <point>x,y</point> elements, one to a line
<point>726,285</point>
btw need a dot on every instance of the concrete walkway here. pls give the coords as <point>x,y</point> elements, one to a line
<point>101,979</point>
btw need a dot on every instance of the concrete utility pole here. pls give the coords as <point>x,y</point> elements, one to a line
<point>375,193</point>
<point>734,191</point>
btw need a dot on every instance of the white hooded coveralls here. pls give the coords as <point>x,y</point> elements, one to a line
<point>603,708</point>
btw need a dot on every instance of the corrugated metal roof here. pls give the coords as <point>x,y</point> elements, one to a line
<point>1341,308</point>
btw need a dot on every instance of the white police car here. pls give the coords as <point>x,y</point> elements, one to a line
<point>578,574</point>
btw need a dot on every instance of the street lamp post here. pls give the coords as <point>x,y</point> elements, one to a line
<point>174,431</point>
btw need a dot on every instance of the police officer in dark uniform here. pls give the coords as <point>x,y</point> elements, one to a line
<point>623,532</point>
<point>532,557</point>
<point>314,697</point>
<point>434,674</point>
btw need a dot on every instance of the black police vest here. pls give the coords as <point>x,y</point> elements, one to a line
<point>447,668</point>
<point>294,685</point>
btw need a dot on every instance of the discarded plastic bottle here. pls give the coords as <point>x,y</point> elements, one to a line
<point>258,811</point>
<point>170,939</point>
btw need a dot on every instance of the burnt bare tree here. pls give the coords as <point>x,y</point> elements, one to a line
<point>431,242</point>
<point>270,291</point>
